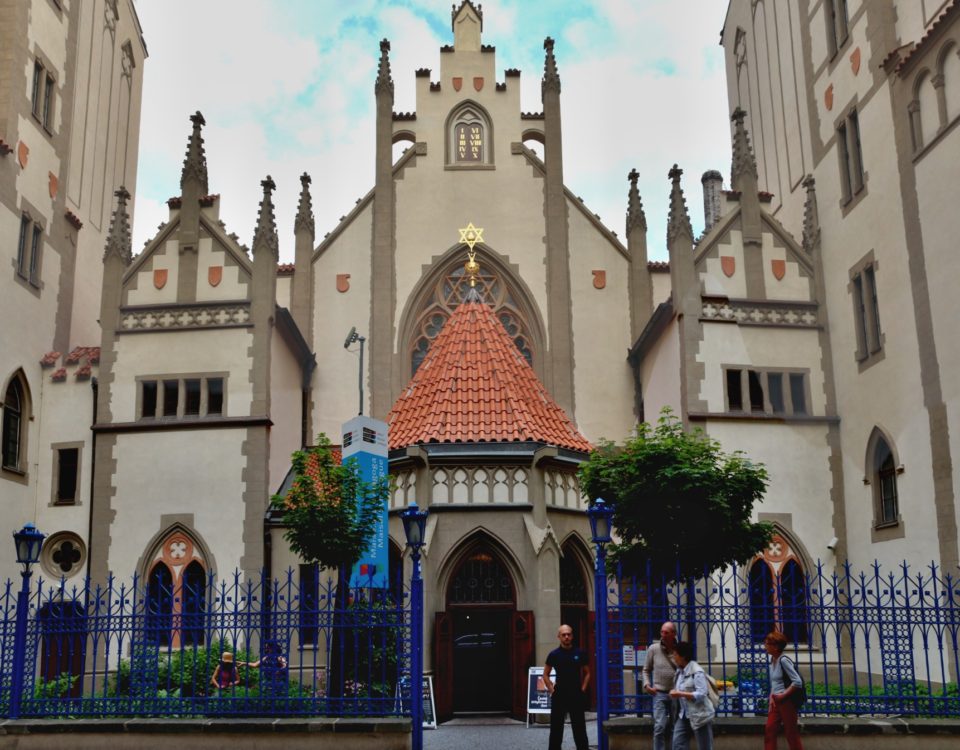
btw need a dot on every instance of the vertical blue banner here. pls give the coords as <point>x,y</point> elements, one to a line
<point>365,440</point>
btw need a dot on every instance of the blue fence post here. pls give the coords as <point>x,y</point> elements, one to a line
<point>416,652</point>
<point>20,645</point>
<point>603,671</point>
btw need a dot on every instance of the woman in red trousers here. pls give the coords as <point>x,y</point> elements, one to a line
<point>785,688</point>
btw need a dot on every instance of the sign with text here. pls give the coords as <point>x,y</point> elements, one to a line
<point>538,698</point>
<point>365,441</point>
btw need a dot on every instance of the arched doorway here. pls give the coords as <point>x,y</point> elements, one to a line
<point>483,645</point>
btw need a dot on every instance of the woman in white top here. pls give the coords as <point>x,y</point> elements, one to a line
<point>696,713</point>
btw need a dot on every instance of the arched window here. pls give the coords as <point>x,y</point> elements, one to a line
<point>192,595</point>
<point>885,484</point>
<point>481,579</point>
<point>14,413</point>
<point>778,593</point>
<point>448,291</point>
<point>159,605</point>
<point>469,137</point>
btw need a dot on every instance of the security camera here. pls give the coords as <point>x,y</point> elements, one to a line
<point>832,544</point>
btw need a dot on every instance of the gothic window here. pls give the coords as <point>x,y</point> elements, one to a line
<point>469,138</point>
<point>882,476</point>
<point>63,555</point>
<point>448,292</point>
<point>15,416</point>
<point>778,593</point>
<point>175,600</point>
<point>159,605</point>
<point>481,579</point>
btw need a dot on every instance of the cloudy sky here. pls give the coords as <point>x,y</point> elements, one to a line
<point>286,86</point>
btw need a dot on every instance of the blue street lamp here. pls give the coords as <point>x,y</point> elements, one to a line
<point>414,528</point>
<point>601,515</point>
<point>28,541</point>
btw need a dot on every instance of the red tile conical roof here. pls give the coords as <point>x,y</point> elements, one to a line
<point>475,386</point>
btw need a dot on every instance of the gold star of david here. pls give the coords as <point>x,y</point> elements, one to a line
<point>471,235</point>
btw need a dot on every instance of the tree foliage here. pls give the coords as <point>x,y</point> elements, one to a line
<point>681,504</point>
<point>330,512</point>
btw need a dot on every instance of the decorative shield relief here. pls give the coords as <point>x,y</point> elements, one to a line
<point>828,97</point>
<point>54,185</point>
<point>457,83</point>
<point>215,275</point>
<point>343,282</point>
<point>478,82</point>
<point>23,151</point>
<point>160,278</point>
<point>599,279</point>
<point>779,268</point>
<point>728,264</point>
<point>855,61</point>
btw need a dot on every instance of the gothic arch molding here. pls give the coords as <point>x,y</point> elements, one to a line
<point>478,538</point>
<point>469,111</point>
<point>514,299</point>
<point>152,549</point>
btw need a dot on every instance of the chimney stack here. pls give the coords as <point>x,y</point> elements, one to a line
<point>712,182</point>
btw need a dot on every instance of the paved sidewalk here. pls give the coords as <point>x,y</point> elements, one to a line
<point>484,733</point>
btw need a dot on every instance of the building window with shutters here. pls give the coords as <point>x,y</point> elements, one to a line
<point>866,311</point>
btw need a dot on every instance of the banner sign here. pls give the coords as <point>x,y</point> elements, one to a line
<point>538,699</point>
<point>365,440</point>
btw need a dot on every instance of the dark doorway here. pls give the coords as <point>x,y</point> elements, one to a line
<point>63,626</point>
<point>481,660</point>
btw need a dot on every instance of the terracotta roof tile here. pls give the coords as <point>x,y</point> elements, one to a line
<point>907,51</point>
<point>59,376</point>
<point>475,386</point>
<point>49,359</point>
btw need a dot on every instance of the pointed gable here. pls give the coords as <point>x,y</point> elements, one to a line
<point>475,386</point>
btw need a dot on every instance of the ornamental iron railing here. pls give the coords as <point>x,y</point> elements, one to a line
<point>866,643</point>
<point>146,648</point>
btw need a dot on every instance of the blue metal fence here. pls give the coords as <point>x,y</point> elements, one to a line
<point>145,648</point>
<point>866,643</point>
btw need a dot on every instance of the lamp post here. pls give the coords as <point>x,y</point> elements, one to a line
<point>600,515</point>
<point>28,541</point>
<point>414,528</point>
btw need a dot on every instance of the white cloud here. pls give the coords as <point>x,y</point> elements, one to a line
<point>287,88</point>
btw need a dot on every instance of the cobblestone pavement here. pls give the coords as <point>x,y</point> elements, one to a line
<point>484,733</point>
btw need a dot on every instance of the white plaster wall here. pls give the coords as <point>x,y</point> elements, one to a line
<point>729,344</point>
<point>335,396</point>
<point>33,181</point>
<point>796,459</point>
<point>715,281</point>
<point>794,285</point>
<point>434,203</point>
<point>661,286</point>
<point>285,380</point>
<point>284,287</point>
<point>602,376</point>
<point>660,374</point>
<point>46,30</point>
<point>180,353</point>
<point>234,283</point>
<point>207,483</point>
<point>165,257</point>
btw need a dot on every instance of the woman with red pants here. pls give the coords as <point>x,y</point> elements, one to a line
<point>785,688</point>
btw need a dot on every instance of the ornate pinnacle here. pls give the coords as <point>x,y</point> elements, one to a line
<point>195,163</point>
<point>744,162</point>
<point>384,81</point>
<point>118,237</point>
<point>678,223</point>
<point>635,215</point>
<point>551,78</point>
<point>455,11</point>
<point>265,236</point>
<point>811,218</point>
<point>304,218</point>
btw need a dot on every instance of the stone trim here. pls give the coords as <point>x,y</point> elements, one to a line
<point>173,423</point>
<point>760,313</point>
<point>703,416</point>
<point>184,317</point>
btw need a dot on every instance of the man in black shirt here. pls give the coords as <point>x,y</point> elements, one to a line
<point>568,690</point>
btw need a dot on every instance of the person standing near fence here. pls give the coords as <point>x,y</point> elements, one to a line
<point>658,673</point>
<point>785,686</point>
<point>568,690</point>
<point>695,710</point>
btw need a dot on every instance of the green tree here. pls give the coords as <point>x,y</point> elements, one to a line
<point>680,503</point>
<point>330,514</point>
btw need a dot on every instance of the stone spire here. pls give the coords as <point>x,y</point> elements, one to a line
<point>265,236</point>
<point>384,82</point>
<point>678,223</point>
<point>743,178</point>
<point>304,218</point>
<point>640,283</point>
<point>118,238</point>
<point>455,11</point>
<point>811,218</point>
<point>551,78</point>
<point>635,215</point>
<point>744,164</point>
<point>195,163</point>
